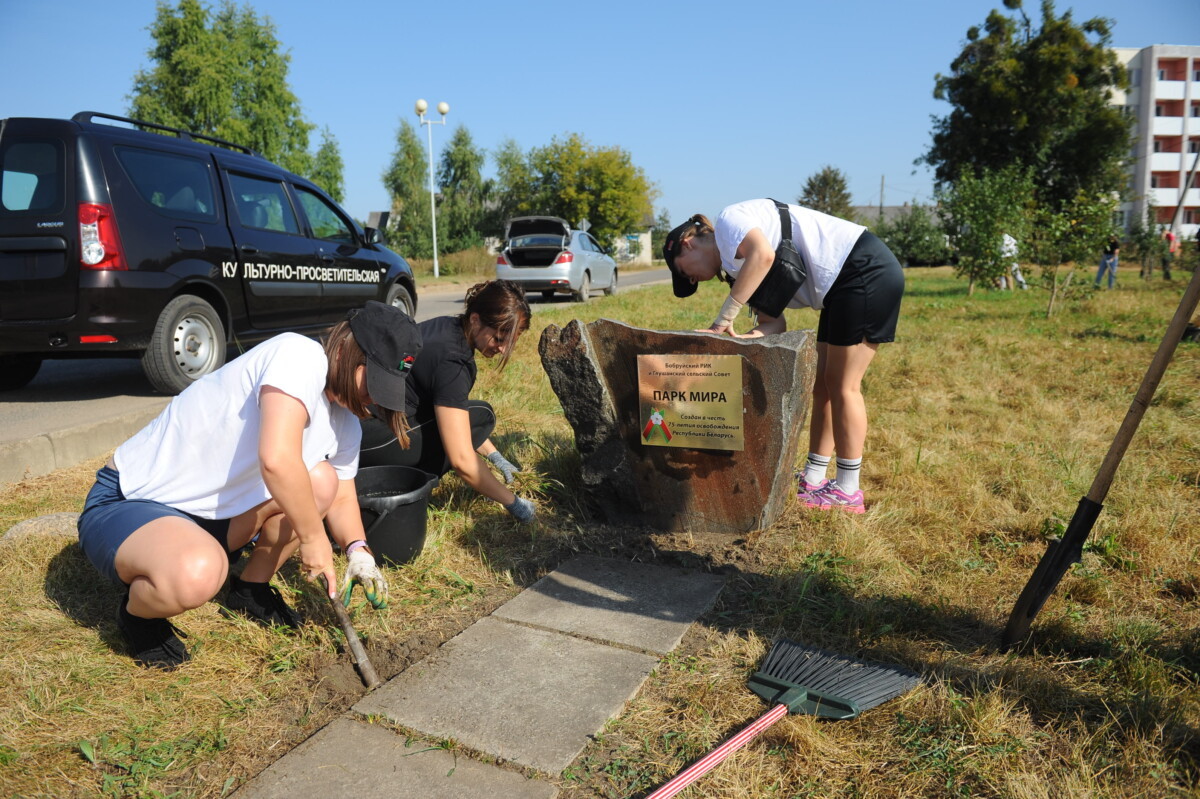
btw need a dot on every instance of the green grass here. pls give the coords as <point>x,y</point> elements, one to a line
<point>988,423</point>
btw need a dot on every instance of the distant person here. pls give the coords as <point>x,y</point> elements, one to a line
<point>853,279</point>
<point>449,428</point>
<point>1171,247</point>
<point>1008,250</point>
<point>263,449</point>
<point>1108,261</point>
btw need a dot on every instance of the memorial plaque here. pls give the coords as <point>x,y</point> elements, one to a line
<point>691,401</point>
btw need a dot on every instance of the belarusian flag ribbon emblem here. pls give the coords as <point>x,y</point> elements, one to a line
<point>656,421</point>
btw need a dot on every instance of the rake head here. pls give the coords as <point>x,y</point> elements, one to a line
<point>820,683</point>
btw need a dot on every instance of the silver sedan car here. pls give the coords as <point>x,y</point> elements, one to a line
<point>544,254</point>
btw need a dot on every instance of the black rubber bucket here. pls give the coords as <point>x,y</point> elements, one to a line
<point>393,501</point>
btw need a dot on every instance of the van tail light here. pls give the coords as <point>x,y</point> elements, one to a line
<point>99,244</point>
<point>501,260</point>
<point>564,257</point>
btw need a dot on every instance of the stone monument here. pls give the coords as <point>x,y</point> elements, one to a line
<point>631,475</point>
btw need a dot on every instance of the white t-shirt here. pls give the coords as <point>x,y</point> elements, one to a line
<point>1008,247</point>
<point>825,241</point>
<point>200,455</point>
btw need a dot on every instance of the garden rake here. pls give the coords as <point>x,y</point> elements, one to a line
<point>800,679</point>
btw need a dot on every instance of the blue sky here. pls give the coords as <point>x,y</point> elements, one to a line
<point>716,101</point>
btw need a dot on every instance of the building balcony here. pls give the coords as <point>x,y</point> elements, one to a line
<point>1169,198</point>
<point>1167,162</point>
<point>1167,126</point>
<point>1169,89</point>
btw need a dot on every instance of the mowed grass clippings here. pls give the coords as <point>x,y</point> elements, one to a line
<point>988,424</point>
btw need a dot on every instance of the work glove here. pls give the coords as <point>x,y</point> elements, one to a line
<point>522,510</point>
<point>503,465</point>
<point>362,569</point>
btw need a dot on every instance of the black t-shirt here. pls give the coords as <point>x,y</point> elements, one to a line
<point>444,372</point>
<point>1112,246</point>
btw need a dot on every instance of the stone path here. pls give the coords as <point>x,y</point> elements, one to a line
<point>527,686</point>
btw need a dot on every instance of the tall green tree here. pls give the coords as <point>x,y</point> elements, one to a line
<point>575,180</point>
<point>224,75</point>
<point>826,191</point>
<point>406,180</point>
<point>1034,97</point>
<point>327,167</point>
<point>465,193</point>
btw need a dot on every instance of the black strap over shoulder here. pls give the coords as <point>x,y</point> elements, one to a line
<point>785,219</point>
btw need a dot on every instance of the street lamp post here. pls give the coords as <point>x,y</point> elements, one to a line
<point>443,109</point>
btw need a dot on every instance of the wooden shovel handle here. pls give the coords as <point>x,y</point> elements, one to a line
<point>1145,393</point>
<point>365,669</point>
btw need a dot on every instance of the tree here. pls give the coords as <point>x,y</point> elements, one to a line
<point>658,233</point>
<point>978,211</point>
<point>223,75</point>
<point>1069,235</point>
<point>826,191</point>
<point>327,167</point>
<point>915,237</point>
<point>575,180</point>
<point>1036,98</point>
<point>463,207</point>
<point>513,183</point>
<point>406,181</point>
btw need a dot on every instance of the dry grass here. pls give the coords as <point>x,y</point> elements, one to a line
<point>988,424</point>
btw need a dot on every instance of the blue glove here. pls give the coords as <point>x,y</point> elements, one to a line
<point>522,510</point>
<point>503,465</point>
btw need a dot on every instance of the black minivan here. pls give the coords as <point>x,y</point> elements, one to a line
<point>126,238</point>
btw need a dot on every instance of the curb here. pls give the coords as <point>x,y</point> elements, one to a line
<point>47,452</point>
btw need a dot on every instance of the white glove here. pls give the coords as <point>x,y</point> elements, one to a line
<point>362,569</point>
<point>522,510</point>
<point>503,465</point>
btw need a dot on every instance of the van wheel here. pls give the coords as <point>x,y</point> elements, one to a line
<point>585,288</point>
<point>16,371</point>
<point>398,297</point>
<point>188,342</point>
<point>612,287</point>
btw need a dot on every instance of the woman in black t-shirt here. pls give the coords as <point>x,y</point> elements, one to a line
<point>448,427</point>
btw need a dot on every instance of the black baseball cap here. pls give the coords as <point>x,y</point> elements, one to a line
<point>681,284</point>
<point>391,341</point>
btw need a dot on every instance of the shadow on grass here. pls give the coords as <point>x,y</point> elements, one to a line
<point>83,595</point>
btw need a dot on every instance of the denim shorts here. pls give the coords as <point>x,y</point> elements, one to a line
<point>109,518</point>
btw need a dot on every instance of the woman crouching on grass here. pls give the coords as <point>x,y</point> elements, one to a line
<point>449,428</point>
<point>266,447</point>
<point>853,279</point>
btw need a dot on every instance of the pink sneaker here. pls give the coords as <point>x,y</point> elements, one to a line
<point>805,489</point>
<point>829,497</point>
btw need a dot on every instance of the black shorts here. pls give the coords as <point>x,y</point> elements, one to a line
<point>864,300</point>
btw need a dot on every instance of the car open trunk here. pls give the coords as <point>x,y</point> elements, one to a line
<point>536,240</point>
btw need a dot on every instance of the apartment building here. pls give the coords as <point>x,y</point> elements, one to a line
<point>1164,100</point>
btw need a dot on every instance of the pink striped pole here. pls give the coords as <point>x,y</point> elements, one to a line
<point>714,758</point>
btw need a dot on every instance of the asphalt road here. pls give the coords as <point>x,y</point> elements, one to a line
<point>73,394</point>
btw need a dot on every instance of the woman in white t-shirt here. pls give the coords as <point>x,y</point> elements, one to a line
<point>853,279</point>
<point>263,449</point>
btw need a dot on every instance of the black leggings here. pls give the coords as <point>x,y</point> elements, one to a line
<point>425,450</point>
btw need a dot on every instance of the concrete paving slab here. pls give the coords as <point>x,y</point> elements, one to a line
<point>355,759</point>
<point>528,696</point>
<point>634,604</point>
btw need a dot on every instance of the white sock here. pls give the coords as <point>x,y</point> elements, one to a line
<point>815,468</point>
<point>847,474</point>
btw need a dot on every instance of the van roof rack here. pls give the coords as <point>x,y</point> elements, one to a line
<point>86,117</point>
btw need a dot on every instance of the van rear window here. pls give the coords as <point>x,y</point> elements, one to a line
<point>31,176</point>
<point>177,185</point>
